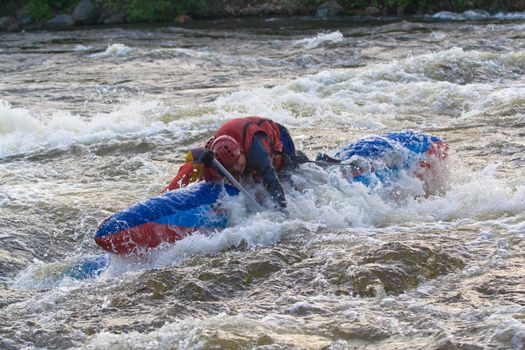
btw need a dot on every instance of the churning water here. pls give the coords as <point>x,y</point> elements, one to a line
<point>95,120</point>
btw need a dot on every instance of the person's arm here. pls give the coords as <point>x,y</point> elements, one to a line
<point>258,159</point>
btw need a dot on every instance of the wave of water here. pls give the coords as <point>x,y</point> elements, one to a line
<point>197,59</point>
<point>24,130</point>
<point>510,15</point>
<point>267,280</point>
<point>113,50</point>
<point>377,95</point>
<point>478,15</point>
<point>371,97</point>
<point>320,39</point>
<point>82,48</point>
<point>318,201</point>
<point>196,333</point>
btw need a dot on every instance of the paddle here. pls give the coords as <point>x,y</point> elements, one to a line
<point>236,184</point>
<point>331,163</point>
<point>301,159</point>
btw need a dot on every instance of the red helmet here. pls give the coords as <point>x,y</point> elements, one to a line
<point>227,150</point>
<point>209,142</point>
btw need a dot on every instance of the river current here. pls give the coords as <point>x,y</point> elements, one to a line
<point>94,120</point>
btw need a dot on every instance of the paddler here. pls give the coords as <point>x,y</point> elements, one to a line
<point>253,147</point>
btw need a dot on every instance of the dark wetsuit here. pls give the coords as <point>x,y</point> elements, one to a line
<point>259,161</point>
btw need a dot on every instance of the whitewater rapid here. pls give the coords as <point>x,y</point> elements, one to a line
<point>95,120</point>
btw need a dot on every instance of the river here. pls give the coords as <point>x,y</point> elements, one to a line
<point>93,120</point>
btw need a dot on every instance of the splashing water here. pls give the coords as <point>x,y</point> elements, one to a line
<point>431,260</point>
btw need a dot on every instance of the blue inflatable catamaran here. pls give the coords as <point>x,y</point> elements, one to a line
<point>174,215</point>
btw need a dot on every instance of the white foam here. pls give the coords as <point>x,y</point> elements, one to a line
<point>467,15</point>
<point>81,48</point>
<point>477,15</point>
<point>22,130</point>
<point>369,97</point>
<point>193,333</point>
<point>510,15</point>
<point>477,195</point>
<point>113,50</point>
<point>320,39</point>
<point>338,203</point>
<point>376,96</point>
<point>447,15</point>
<point>496,98</point>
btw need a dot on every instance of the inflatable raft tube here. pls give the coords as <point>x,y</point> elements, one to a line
<point>177,214</point>
<point>165,218</point>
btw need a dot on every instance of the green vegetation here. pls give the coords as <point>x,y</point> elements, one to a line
<point>39,10</point>
<point>167,10</point>
<point>136,10</point>
<point>430,6</point>
<point>42,10</point>
<point>411,6</point>
<point>162,10</point>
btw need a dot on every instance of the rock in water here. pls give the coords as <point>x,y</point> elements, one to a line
<point>9,23</point>
<point>395,268</point>
<point>329,9</point>
<point>62,21</point>
<point>85,12</point>
<point>117,18</point>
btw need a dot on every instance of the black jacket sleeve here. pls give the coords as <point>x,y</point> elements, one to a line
<point>259,161</point>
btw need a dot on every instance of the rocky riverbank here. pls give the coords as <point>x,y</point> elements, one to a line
<point>37,14</point>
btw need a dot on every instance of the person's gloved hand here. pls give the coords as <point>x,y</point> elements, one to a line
<point>207,157</point>
<point>300,157</point>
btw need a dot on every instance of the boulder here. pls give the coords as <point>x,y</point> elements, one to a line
<point>85,12</point>
<point>372,11</point>
<point>117,18</point>
<point>395,268</point>
<point>329,9</point>
<point>6,22</point>
<point>61,21</point>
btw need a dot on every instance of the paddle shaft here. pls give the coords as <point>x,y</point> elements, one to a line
<point>329,163</point>
<point>301,160</point>
<point>237,184</point>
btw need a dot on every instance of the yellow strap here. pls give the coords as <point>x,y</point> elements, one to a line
<point>189,157</point>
